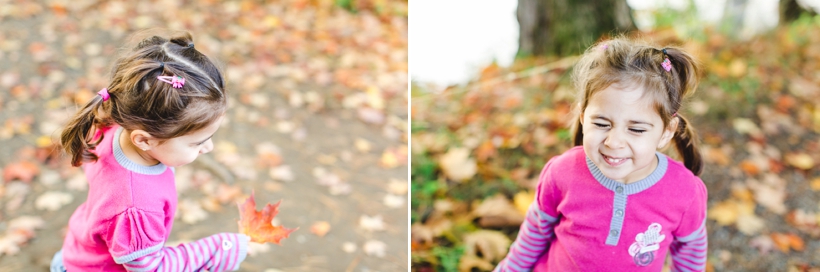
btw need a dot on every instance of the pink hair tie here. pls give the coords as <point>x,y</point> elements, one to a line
<point>667,65</point>
<point>104,94</point>
<point>175,81</point>
<point>675,114</point>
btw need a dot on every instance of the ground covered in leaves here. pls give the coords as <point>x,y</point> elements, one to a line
<point>477,150</point>
<point>317,119</point>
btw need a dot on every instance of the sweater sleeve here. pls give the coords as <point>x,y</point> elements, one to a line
<point>220,252</point>
<point>136,239</point>
<point>536,232</point>
<point>688,250</point>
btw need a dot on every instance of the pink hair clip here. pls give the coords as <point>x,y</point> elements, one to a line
<point>604,47</point>
<point>667,65</point>
<point>175,81</point>
<point>104,94</point>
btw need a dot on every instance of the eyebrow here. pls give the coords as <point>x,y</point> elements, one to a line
<point>209,137</point>
<point>630,121</point>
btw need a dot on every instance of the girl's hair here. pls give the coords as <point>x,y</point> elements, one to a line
<point>623,61</point>
<point>139,100</point>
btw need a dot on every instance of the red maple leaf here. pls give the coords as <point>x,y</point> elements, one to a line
<point>257,224</point>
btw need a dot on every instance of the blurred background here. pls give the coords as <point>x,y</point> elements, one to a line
<point>317,118</point>
<point>491,100</point>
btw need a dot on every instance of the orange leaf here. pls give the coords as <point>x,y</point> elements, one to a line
<point>258,225</point>
<point>24,171</point>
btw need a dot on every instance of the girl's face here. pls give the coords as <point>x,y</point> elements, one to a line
<point>184,149</point>
<point>622,130</point>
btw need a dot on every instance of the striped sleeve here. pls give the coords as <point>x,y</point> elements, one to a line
<point>216,253</point>
<point>533,240</point>
<point>689,252</point>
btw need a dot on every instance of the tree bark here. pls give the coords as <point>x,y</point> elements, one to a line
<point>564,27</point>
<point>790,11</point>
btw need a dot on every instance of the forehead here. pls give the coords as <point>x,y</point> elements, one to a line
<point>622,99</point>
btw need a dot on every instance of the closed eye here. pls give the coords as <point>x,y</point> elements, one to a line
<point>637,130</point>
<point>601,125</point>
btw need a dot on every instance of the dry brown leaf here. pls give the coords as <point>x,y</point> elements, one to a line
<point>53,200</point>
<point>492,245</point>
<point>457,165</point>
<point>497,211</point>
<point>469,262</point>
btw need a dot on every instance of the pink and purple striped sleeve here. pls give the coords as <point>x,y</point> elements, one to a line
<point>533,240</point>
<point>689,252</point>
<point>216,253</point>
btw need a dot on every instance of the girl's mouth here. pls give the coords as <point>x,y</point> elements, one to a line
<point>613,161</point>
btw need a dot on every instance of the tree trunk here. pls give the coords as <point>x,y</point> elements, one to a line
<point>564,27</point>
<point>790,11</point>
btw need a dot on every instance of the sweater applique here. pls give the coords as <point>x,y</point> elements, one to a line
<point>646,244</point>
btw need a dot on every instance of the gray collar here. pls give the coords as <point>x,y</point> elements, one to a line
<point>131,165</point>
<point>635,187</point>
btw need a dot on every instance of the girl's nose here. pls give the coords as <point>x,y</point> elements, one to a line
<point>207,147</point>
<point>614,139</point>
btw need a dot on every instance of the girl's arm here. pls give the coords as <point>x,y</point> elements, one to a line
<point>220,252</point>
<point>533,240</point>
<point>689,253</point>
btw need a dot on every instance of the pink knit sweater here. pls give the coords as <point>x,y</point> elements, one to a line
<point>583,221</point>
<point>129,213</point>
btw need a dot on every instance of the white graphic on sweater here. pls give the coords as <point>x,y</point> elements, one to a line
<point>645,245</point>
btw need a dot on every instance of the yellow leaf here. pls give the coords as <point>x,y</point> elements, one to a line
<point>800,160</point>
<point>523,200</point>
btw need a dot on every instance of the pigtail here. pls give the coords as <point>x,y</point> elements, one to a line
<point>686,142</point>
<point>577,131</point>
<point>75,136</point>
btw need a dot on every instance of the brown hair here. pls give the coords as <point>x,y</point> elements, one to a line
<point>138,100</point>
<point>631,62</point>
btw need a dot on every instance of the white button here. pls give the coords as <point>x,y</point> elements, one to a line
<point>226,245</point>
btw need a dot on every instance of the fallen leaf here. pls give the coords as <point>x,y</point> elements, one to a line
<point>375,248</point>
<point>457,165</point>
<point>393,201</point>
<point>23,171</point>
<point>750,224</point>
<point>470,262</point>
<point>523,200</point>
<point>800,160</point>
<point>374,223</point>
<point>258,225</point>
<point>763,243</point>
<point>282,173</point>
<point>497,211</point>
<point>491,244</point>
<point>349,247</point>
<point>52,201</point>
<point>320,228</point>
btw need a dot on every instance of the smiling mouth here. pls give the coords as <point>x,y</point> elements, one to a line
<point>614,161</point>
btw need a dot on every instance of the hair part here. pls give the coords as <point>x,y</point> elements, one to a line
<point>623,61</point>
<point>139,100</point>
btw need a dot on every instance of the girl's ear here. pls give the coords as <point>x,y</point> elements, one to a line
<point>142,140</point>
<point>668,132</point>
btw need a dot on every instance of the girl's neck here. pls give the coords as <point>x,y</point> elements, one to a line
<point>132,152</point>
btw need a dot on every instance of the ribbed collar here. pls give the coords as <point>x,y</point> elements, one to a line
<point>130,165</point>
<point>635,187</point>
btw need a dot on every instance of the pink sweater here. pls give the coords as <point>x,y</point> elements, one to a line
<point>129,213</point>
<point>581,220</point>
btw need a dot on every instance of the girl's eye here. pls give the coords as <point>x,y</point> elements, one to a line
<point>637,130</point>
<point>601,125</point>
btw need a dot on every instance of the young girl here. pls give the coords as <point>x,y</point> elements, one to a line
<point>614,203</point>
<point>163,104</point>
